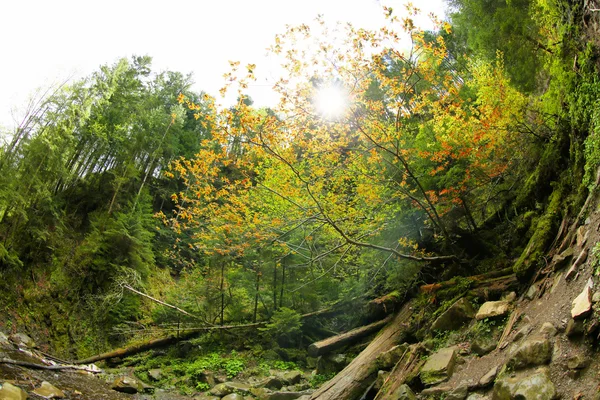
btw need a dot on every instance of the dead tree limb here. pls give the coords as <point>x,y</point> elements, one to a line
<point>335,342</point>
<point>353,380</point>
<point>434,287</point>
<point>161,302</point>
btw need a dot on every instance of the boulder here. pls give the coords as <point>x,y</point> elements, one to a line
<point>388,359</point>
<point>548,329</point>
<point>454,317</point>
<point>155,374</point>
<point>483,345</point>
<point>532,292</point>
<point>233,396</point>
<point>530,353</point>
<point>404,392</point>
<point>582,305</point>
<point>577,361</point>
<point>561,260</point>
<point>206,397</point>
<point>534,386</point>
<point>260,392</point>
<point>331,364</point>
<point>292,377</point>
<point>22,339</point>
<point>127,384</point>
<point>510,297</point>
<point>238,387</point>
<point>488,378</point>
<point>221,390</point>
<point>11,392</point>
<point>271,382</point>
<point>439,366</point>
<point>446,392</point>
<point>49,391</point>
<point>287,395</point>
<point>574,328</point>
<point>477,396</point>
<point>493,309</point>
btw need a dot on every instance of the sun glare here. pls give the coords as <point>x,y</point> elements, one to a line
<point>331,101</point>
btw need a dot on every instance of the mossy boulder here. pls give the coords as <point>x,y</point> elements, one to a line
<point>532,352</point>
<point>454,317</point>
<point>535,386</point>
<point>439,366</point>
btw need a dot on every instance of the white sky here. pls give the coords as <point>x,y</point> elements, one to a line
<point>46,41</point>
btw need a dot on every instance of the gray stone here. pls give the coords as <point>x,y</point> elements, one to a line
<point>492,309</point>
<point>488,378</point>
<point>238,387</point>
<point>4,339</point>
<point>233,396</point>
<point>22,340</point>
<point>548,329</point>
<point>446,392</point>
<point>510,297</point>
<point>521,333</point>
<point>404,392</point>
<point>221,390</point>
<point>331,363</point>
<point>439,366</point>
<point>582,236</point>
<point>49,391</point>
<point>272,382</point>
<point>381,377</point>
<point>260,393</point>
<point>532,291</point>
<point>126,384</point>
<point>577,361</point>
<point>561,260</point>
<point>535,386</point>
<point>10,392</point>
<point>477,396</point>
<point>483,345</point>
<point>292,377</point>
<point>287,395</point>
<point>454,317</point>
<point>388,359</point>
<point>582,305</point>
<point>530,353</point>
<point>155,374</point>
<point>595,297</point>
<point>574,328</point>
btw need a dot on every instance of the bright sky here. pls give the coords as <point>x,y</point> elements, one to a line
<point>44,42</point>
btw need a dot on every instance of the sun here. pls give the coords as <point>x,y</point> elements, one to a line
<point>331,101</point>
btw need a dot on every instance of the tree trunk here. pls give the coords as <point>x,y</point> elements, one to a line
<point>354,380</point>
<point>343,339</point>
<point>222,314</point>
<point>256,295</point>
<point>408,366</point>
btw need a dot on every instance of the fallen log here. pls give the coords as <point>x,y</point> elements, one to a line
<point>335,342</point>
<point>478,279</point>
<point>494,288</point>
<point>31,365</point>
<point>354,380</point>
<point>405,369</point>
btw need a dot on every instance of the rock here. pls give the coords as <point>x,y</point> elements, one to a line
<point>126,384</point>
<point>10,392</point>
<point>521,333</point>
<point>561,260</point>
<point>574,270</point>
<point>238,387</point>
<point>260,393</point>
<point>388,359</point>
<point>477,396</point>
<point>331,363</point>
<point>577,361</point>
<point>488,378</point>
<point>287,395</point>
<point>532,291</point>
<point>49,391</point>
<point>492,309</point>
<point>404,392</point>
<point>548,329</point>
<point>582,236</point>
<point>531,352</point>
<point>510,297</point>
<point>206,397</point>
<point>536,386</point>
<point>595,298</point>
<point>446,392</point>
<point>574,328</point>
<point>155,374</point>
<point>454,317</point>
<point>292,377</point>
<point>439,366</point>
<point>22,340</point>
<point>4,339</point>
<point>221,390</point>
<point>381,377</point>
<point>483,345</point>
<point>272,382</point>
<point>582,305</point>
<point>233,396</point>
<point>458,393</point>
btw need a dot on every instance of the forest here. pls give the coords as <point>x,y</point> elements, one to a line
<point>134,209</point>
